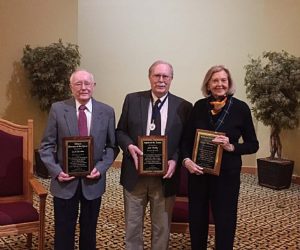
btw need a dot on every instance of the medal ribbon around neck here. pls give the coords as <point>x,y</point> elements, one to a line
<point>155,111</point>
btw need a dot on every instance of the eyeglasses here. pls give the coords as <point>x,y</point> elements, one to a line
<point>79,85</point>
<point>158,76</point>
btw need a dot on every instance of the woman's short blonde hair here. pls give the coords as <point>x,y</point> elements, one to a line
<point>208,76</point>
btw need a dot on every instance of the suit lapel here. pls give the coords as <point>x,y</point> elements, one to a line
<point>97,118</point>
<point>71,117</point>
<point>145,100</point>
<point>171,111</point>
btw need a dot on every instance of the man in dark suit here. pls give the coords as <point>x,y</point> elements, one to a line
<point>69,191</point>
<point>137,119</point>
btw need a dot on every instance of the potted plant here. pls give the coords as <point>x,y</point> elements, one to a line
<point>272,86</point>
<point>48,69</point>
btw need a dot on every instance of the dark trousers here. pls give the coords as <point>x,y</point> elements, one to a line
<point>222,192</point>
<point>65,218</point>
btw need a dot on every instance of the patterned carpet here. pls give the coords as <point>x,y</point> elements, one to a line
<point>267,219</point>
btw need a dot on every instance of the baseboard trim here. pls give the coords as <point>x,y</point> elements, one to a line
<point>253,170</point>
<point>249,170</point>
<point>296,179</point>
<point>245,170</point>
<point>116,164</point>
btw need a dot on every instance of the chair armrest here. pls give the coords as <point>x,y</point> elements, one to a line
<point>38,188</point>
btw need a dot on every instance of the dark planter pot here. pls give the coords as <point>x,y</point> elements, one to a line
<point>275,174</point>
<point>40,168</point>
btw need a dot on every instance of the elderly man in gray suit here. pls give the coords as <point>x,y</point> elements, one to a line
<point>137,119</point>
<point>70,191</point>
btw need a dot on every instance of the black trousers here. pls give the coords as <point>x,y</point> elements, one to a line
<point>65,219</point>
<point>222,192</point>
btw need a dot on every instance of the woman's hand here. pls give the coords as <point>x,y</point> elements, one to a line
<point>192,167</point>
<point>224,142</point>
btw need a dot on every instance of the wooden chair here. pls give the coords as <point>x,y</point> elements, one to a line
<point>180,216</point>
<point>17,184</point>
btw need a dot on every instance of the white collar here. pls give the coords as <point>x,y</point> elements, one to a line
<point>88,105</point>
<point>154,97</point>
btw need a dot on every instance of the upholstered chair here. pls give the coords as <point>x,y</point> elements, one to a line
<point>18,214</point>
<point>180,217</point>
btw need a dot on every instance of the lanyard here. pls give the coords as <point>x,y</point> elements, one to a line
<point>157,109</point>
<point>223,115</point>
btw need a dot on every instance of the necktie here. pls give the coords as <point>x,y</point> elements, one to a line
<point>82,121</point>
<point>157,119</point>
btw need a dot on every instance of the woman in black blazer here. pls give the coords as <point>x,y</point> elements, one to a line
<point>219,111</point>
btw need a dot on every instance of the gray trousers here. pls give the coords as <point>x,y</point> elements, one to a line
<point>148,189</point>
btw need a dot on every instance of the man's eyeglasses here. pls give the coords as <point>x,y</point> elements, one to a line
<point>79,85</point>
<point>158,77</point>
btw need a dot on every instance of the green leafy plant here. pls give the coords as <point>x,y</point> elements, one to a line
<point>49,69</point>
<point>272,86</point>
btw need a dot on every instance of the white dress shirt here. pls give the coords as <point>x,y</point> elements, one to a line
<point>163,113</point>
<point>87,111</point>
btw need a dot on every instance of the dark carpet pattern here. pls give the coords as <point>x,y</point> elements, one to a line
<point>267,219</point>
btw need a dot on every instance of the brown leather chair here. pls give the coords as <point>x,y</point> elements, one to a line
<point>17,184</point>
<point>180,216</point>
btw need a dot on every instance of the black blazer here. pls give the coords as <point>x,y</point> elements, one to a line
<point>133,123</point>
<point>237,124</point>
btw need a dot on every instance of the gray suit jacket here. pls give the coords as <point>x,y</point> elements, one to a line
<point>62,122</point>
<point>133,122</point>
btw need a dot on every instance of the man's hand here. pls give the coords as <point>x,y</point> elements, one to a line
<point>171,169</point>
<point>63,177</point>
<point>192,167</point>
<point>135,152</point>
<point>95,174</point>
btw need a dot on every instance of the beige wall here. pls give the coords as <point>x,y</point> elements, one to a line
<point>36,23</point>
<point>119,40</point>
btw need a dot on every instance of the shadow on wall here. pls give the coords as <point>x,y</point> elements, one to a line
<point>18,96</point>
<point>21,105</point>
<point>290,140</point>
